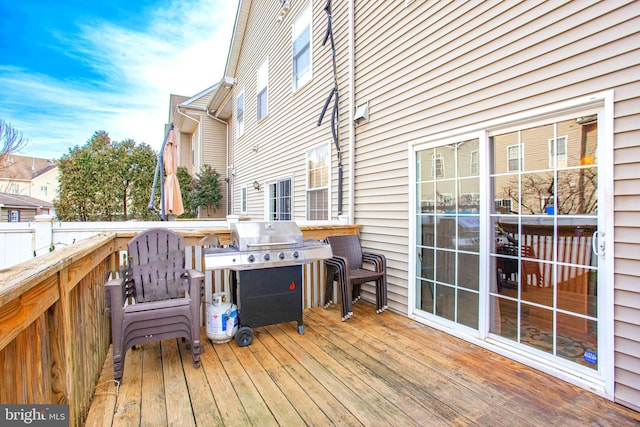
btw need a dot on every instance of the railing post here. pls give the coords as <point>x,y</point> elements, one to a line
<point>43,234</point>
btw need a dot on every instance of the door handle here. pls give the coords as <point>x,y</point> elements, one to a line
<point>598,243</point>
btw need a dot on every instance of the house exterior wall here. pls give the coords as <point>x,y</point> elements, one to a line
<point>275,147</point>
<point>185,152</point>
<point>48,180</point>
<point>26,214</point>
<point>214,153</point>
<point>207,144</point>
<point>428,68</point>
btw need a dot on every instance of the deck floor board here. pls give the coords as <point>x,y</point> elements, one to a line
<point>370,370</point>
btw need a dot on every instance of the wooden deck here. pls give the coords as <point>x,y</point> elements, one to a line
<point>371,370</point>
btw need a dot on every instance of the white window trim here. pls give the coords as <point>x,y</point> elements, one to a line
<point>13,215</point>
<point>243,200</point>
<point>267,196</point>
<point>262,69</point>
<point>306,14</point>
<point>240,124</point>
<point>308,188</point>
<point>603,104</point>
<point>520,157</point>
<point>553,156</point>
<point>435,159</point>
<point>474,154</point>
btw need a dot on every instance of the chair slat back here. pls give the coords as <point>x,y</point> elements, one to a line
<point>156,262</point>
<point>349,248</point>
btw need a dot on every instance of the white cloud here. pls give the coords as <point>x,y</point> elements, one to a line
<point>182,51</point>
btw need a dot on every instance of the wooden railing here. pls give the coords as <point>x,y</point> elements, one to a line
<point>54,331</point>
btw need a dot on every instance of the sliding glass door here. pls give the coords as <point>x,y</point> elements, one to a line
<point>507,238</point>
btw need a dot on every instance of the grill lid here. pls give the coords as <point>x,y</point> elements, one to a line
<point>247,235</point>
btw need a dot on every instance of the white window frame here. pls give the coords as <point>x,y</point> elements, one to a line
<point>560,158</point>
<point>504,203</point>
<point>474,167</point>
<point>274,213</point>
<point>13,216</point>
<point>310,189</point>
<point>298,29</point>
<point>243,199</point>
<point>520,157</point>
<point>437,159</point>
<point>239,115</point>
<point>262,90</point>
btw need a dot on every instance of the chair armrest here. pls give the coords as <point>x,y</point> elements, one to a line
<point>114,291</point>
<point>338,262</point>
<point>196,284</point>
<point>378,259</point>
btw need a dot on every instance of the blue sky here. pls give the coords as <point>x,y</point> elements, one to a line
<point>69,68</point>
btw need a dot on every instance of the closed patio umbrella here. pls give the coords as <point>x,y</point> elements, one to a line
<point>172,195</point>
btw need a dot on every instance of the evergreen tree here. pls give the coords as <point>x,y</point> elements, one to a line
<point>187,182</point>
<point>105,181</point>
<point>206,193</point>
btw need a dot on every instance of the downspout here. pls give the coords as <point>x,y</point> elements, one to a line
<point>228,178</point>
<point>352,108</point>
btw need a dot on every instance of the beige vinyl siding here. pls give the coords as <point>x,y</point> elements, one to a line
<point>627,245</point>
<point>290,128</point>
<point>214,152</point>
<point>433,67</point>
<point>185,152</point>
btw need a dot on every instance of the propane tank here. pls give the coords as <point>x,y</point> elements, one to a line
<point>222,319</point>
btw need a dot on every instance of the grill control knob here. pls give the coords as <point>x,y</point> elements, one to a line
<point>295,254</point>
<point>251,258</point>
<point>266,257</point>
<point>281,255</point>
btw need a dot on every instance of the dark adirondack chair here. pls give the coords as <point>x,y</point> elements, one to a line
<point>346,268</point>
<point>157,298</point>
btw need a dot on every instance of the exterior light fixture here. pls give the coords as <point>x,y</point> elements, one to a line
<point>256,185</point>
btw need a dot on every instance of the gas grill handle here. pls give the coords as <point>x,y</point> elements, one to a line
<point>258,245</point>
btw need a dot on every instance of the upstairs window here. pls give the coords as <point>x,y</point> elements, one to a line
<point>475,162</point>
<point>263,90</point>
<point>438,167</point>
<point>514,158</point>
<point>240,113</point>
<point>558,151</point>
<point>302,49</point>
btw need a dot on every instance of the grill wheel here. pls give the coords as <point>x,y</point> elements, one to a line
<point>244,336</point>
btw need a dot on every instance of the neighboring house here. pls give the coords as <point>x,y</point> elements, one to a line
<point>489,149</point>
<point>29,176</point>
<point>202,139</point>
<point>18,208</point>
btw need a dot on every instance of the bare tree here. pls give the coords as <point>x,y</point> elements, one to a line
<point>11,139</point>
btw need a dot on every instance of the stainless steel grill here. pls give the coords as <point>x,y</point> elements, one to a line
<point>267,260</point>
<point>265,245</point>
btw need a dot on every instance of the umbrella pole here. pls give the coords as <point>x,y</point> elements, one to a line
<point>160,169</point>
